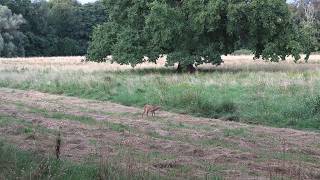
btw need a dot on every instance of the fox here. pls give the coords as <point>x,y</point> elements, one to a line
<point>150,108</point>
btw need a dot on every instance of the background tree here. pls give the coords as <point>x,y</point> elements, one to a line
<point>64,16</point>
<point>11,39</point>
<point>41,39</point>
<point>35,28</point>
<point>194,32</point>
<point>57,27</point>
<point>306,14</point>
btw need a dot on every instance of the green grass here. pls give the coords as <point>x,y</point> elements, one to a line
<point>59,115</point>
<point>280,98</point>
<point>238,132</point>
<point>217,142</point>
<point>80,118</point>
<point>19,164</point>
<point>117,126</point>
<point>215,170</point>
<point>27,127</point>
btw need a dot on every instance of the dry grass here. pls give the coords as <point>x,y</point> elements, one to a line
<point>67,63</point>
<point>244,62</point>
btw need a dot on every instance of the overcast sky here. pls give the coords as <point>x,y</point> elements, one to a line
<point>86,1</point>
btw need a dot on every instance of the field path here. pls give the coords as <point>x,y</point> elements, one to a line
<point>166,144</point>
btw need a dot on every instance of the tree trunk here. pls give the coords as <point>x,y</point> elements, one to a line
<point>188,68</point>
<point>179,68</point>
<point>191,69</point>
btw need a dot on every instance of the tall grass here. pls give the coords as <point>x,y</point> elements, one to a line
<point>280,98</point>
<point>20,164</point>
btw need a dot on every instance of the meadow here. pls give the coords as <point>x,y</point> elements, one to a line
<point>274,94</point>
<point>243,120</point>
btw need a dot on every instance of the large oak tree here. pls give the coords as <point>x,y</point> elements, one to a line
<point>193,32</point>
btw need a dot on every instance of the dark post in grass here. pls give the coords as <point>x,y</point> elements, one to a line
<point>58,144</point>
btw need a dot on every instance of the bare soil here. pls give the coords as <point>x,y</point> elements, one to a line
<point>190,146</point>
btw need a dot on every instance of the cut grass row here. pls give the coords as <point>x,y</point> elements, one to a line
<point>166,124</point>
<point>220,141</point>
<point>118,127</point>
<point>79,118</point>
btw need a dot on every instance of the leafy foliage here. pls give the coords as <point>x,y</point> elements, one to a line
<point>195,32</point>
<point>187,32</point>
<point>57,27</point>
<point>11,39</point>
<point>306,15</point>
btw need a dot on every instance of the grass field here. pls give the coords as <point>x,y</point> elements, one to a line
<point>111,141</point>
<point>280,95</point>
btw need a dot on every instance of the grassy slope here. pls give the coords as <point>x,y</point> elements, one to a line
<point>280,99</point>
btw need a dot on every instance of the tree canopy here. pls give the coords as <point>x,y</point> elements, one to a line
<point>193,32</point>
<point>56,27</point>
<point>306,15</point>
<point>11,39</point>
<point>188,32</point>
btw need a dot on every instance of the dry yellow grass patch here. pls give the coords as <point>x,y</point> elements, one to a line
<point>75,63</point>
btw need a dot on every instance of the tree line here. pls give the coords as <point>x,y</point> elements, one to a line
<point>47,28</point>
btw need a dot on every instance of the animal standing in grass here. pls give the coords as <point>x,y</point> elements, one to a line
<point>150,108</point>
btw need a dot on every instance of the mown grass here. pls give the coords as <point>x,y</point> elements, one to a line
<point>281,98</point>
<point>27,127</point>
<point>80,118</point>
<point>60,115</point>
<point>238,132</point>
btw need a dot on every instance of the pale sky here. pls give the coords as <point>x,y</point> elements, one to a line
<point>86,1</point>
